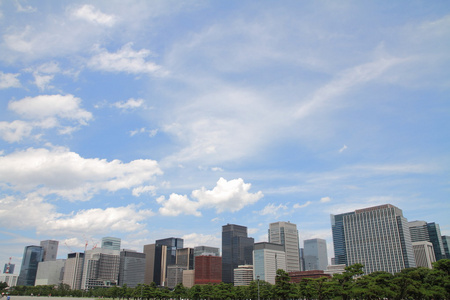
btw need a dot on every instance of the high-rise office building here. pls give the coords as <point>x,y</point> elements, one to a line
<point>73,270</point>
<point>286,234</point>
<point>302,259</point>
<point>422,231</point>
<point>112,243</point>
<point>185,258</point>
<point>237,249</point>
<point>267,259</point>
<point>172,244</point>
<point>9,268</point>
<point>243,275</point>
<point>174,275</point>
<point>315,254</point>
<point>132,268</point>
<point>208,269</point>
<point>32,256</point>
<point>155,264</point>
<point>50,249</point>
<point>424,254</point>
<point>446,244</point>
<point>377,237</point>
<point>50,272</point>
<point>101,268</point>
<point>205,250</point>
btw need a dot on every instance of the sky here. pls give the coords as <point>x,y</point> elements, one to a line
<point>152,119</point>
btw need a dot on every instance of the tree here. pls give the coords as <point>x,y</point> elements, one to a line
<point>343,283</point>
<point>283,287</point>
<point>179,291</point>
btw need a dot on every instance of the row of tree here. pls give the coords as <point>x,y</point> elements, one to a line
<point>412,283</point>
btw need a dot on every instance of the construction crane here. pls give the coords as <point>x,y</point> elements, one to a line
<point>8,266</point>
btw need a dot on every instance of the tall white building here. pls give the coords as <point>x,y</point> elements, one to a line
<point>315,254</point>
<point>101,268</point>
<point>73,270</point>
<point>243,275</point>
<point>286,234</point>
<point>376,237</point>
<point>267,259</point>
<point>50,249</point>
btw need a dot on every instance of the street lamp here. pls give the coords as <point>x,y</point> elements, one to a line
<point>257,278</point>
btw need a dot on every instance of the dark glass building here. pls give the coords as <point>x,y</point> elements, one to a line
<point>132,268</point>
<point>422,231</point>
<point>172,245</point>
<point>32,256</point>
<point>237,249</point>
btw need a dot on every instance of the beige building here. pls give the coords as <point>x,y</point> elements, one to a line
<point>243,275</point>
<point>286,234</point>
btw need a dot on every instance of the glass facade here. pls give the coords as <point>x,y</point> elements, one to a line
<point>32,256</point>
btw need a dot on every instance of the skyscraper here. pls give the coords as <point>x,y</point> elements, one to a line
<point>422,231</point>
<point>101,268</point>
<point>286,233</point>
<point>315,254</point>
<point>267,259</point>
<point>206,250</point>
<point>237,249</point>
<point>172,244</point>
<point>112,243</point>
<point>446,243</point>
<point>155,264</point>
<point>208,269</point>
<point>73,270</point>
<point>32,256</point>
<point>377,237</point>
<point>132,268</point>
<point>50,250</point>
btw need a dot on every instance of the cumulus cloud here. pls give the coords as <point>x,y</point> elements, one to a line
<point>143,190</point>
<point>8,80</point>
<point>196,239</point>
<point>67,174</point>
<point>325,199</point>
<point>302,205</point>
<point>272,209</point>
<point>343,149</point>
<point>124,60</point>
<point>15,131</point>
<point>229,196</point>
<point>129,104</point>
<point>89,13</point>
<point>33,212</point>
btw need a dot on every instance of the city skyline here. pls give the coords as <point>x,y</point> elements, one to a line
<point>143,120</point>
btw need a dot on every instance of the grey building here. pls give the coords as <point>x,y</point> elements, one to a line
<point>50,272</point>
<point>422,231</point>
<point>132,268</point>
<point>286,234</point>
<point>315,254</point>
<point>73,270</point>
<point>267,259</point>
<point>101,268</point>
<point>50,249</point>
<point>377,237</point>
<point>32,256</point>
<point>112,243</point>
<point>446,243</point>
<point>237,249</point>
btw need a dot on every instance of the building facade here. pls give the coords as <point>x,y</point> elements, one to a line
<point>111,243</point>
<point>315,254</point>
<point>205,250</point>
<point>9,268</point>
<point>32,256</point>
<point>50,250</point>
<point>377,237</point>
<point>185,258</point>
<point>424,254</point>
<point>101,268</point>
<point>208,269</point>
<point>50,272</point>
<point>73,270</point>
<point>286,234</point>
<point>446,244</point>
<point>422,231</point>
<point>267,259</point>
<point>131,268</point>
<point>155,264</point>
<point>243,275</point>
<point>237,249</point>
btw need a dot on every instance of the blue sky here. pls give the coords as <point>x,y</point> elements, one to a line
<point>150,119</point>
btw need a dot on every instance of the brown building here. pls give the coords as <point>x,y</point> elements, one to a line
<point>298,276</point>
<point>208,269</point>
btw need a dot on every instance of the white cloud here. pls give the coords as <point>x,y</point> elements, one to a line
<point>129,104</point>
<point>144,190</point>
<point>43,81</point>
<point>178,204</point>
<point>8,80</point>
<point>33,212</point>
<point>302,205</point>
<point>272,209</point>
<point>216,169</point>
<point>151,132</point>
<point>195,239</point>
<point>343,149</point>
<point>325,199</point>
<point>49,106</point>
<point>67,174</point>
<point>124,60</point>
<point>230,195</point>
<point>15,131</point>
<point>89,13</point>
